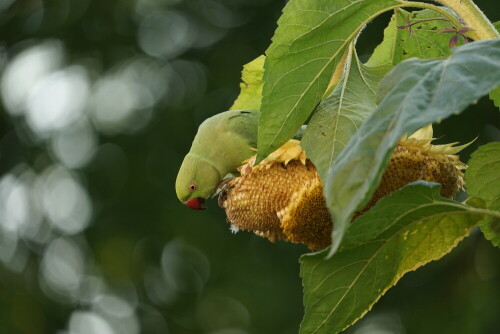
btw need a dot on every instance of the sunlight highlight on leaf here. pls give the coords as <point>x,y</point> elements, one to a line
<point>310,41</point>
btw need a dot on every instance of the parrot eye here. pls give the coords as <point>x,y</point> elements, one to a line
<point>192,187</point>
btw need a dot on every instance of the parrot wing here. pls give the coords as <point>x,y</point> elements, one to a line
<point>244,123</point>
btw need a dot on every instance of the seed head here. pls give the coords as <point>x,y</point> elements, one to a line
<point>282,197</point>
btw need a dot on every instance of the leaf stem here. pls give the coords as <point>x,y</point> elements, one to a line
<point>473,17</point>
<point>453,19</point>
<point>420,21</point>
<point>484,212</point>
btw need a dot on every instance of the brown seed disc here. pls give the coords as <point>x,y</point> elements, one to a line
<point>286,202</point>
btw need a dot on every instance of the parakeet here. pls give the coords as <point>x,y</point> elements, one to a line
<point>222,143</point>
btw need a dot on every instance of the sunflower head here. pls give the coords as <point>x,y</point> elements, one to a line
<point>266,198</point>
<point>281,198</point>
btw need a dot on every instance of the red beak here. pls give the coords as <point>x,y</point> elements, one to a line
<point>195,203</point>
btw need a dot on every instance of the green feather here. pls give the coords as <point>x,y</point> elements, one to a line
<point>222,143</point>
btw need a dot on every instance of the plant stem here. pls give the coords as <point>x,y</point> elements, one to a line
<point>473,18</point>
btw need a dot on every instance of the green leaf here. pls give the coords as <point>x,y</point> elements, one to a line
<point>251,87</point>
<point>483,174</point>
<point>495,96</point>
<point>420,92</point>
<point>339,116</point>
<point>310,40</point>
<point>483,181</point>
<point>495,93</point>
<point>491,230</point>
<point>424,42</point>
<point>401,233</point>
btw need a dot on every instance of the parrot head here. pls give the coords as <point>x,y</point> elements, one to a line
<point>196,181</point>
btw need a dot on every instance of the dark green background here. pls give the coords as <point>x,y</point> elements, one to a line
<point>145,263</point>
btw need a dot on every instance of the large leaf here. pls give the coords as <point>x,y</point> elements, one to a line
<point>483,181</point>
<point>424,41</point>
<point>251,87</point>
<point>402,232</point>
<point>339,116</point>
<point>310,40</point>
<point>427,92</point>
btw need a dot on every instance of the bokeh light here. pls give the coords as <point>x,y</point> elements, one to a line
<point>57,100</point>
<point>26,70</point>
<point>64,201</point>
<point>165,34</point>
<point>83,322</point>
<point>99,102</point>
<point>63,267</point>
<point>75,145</point>
<point>185,269</point>
<point>18,210</point>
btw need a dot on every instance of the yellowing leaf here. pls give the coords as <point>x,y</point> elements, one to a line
<point>251,88</point>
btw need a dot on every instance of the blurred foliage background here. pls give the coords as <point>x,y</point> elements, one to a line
<point>99,103</point>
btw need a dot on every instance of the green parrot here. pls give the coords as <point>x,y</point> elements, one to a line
<point>221,145</point>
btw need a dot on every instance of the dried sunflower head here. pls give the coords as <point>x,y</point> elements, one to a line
<point>257,200</point>
<point>416,158</point>
<point>282,197</point>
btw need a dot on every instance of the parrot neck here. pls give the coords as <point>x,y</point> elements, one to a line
<point>219,170</point>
